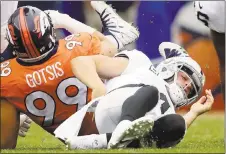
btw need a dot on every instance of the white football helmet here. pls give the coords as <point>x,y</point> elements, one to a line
<point>168,70</point>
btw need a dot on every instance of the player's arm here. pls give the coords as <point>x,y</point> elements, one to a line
<point>90,70</point>
<point>107,48</point>
<point>61,20</point>
<point>9,125</point>
<point>203,105</point>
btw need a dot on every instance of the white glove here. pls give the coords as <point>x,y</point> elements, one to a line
<point>25,123</point>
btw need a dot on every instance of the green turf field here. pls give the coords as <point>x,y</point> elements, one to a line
<point>206,135</point>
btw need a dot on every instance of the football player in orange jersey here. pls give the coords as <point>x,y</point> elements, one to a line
<point>45,87</point>
<point>60,20</point>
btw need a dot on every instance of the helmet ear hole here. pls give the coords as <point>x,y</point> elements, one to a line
<point>170,79</point>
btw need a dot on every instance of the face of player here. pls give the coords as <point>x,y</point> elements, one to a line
<point>184,81</point>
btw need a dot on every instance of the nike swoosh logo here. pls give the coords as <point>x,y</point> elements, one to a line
<point>124,143</point>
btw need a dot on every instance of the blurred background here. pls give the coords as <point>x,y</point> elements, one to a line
<point>157,21</point>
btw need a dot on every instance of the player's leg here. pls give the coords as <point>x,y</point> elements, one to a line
<point>167,132</point>
<point>9,125</point>
<point>108,111</point>
<point>107,116</point>
<point>61,20</point>
<point>117,32</point>
<point>133,123</point>
<point>219,43</point>
<point>114,27</point>
<point>123,104</point>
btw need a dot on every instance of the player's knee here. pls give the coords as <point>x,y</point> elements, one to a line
<point>153,91</point>
<point>136,106</point>
<point>150,96</point>
<point>169,130</point>
<point>147,95</point>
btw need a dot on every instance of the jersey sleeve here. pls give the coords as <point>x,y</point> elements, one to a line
<point>82,44</point>
<point>211,14</point>
<point>137,59</point>
<point>5,75</point>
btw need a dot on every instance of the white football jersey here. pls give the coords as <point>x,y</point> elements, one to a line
<point>137,59</point>
<point>141,71</point>
<point>108,108</point>
<point>211,14</point>
<point>164,105</point>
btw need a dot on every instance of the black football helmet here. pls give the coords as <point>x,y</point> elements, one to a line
<point>30,33</point>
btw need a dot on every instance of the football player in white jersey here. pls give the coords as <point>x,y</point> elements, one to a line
<point>212,15</point>
<point>138,102</point>
<point>137,86</point>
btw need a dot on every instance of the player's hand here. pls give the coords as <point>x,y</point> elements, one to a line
<point>204,104</point>
<point>25,124</point>
<point>97,92</point>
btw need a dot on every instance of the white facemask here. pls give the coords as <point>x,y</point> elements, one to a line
<point>169,69</point>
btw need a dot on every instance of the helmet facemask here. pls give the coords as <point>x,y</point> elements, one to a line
<point>169,71</point>
<point>194,82</point>
<point>193,93</point>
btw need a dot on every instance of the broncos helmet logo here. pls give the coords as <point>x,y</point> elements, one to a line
<point>37,26</point>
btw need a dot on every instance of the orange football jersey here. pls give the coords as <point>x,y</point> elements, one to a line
<point>49,92</point>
